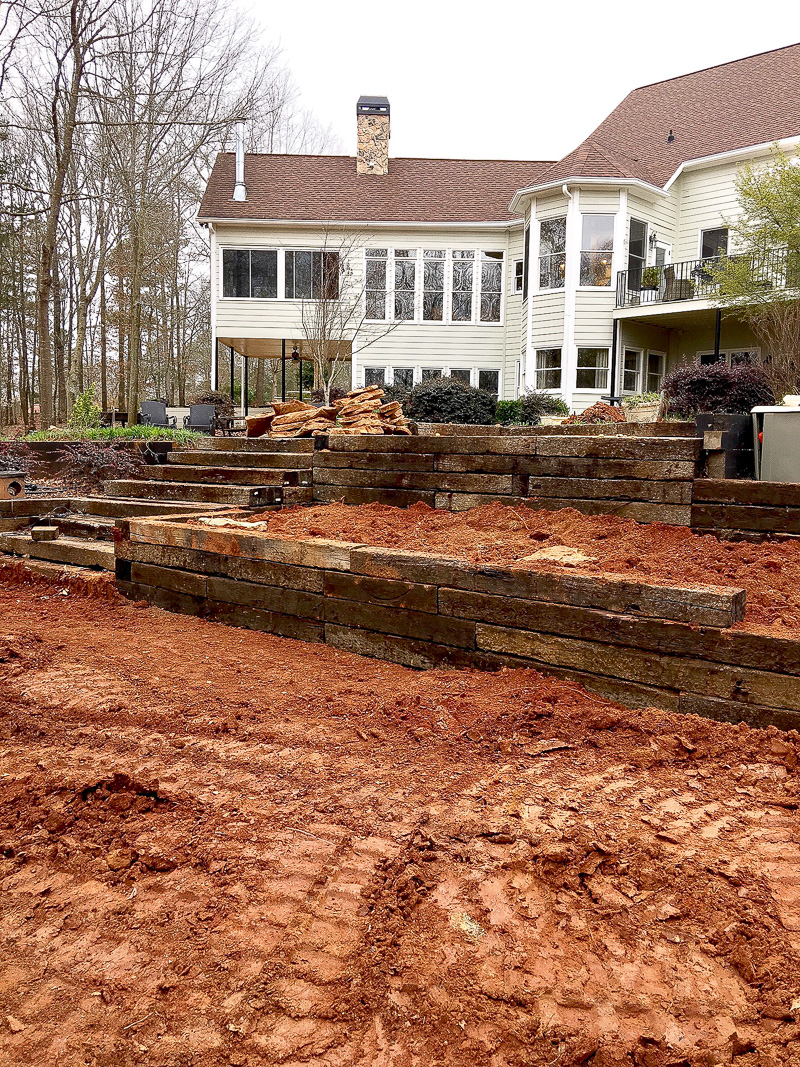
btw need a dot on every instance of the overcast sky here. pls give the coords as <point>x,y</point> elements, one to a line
<point>495,80</point>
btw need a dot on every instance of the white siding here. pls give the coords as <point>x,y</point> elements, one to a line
<point>593,317</point>
<point>547,323</point>
<point>599,201</point>
<point>549,207</point>
<point>707,198</point>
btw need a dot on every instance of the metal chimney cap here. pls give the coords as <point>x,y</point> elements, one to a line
<point>372,105</point>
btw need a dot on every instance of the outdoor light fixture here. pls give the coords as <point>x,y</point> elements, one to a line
<point>295,355</point>
<point>653,238</point>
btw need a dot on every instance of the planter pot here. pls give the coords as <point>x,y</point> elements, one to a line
<point>551,420</point>
<point>641,413</point>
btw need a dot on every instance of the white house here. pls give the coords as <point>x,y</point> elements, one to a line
<point>511,275</point>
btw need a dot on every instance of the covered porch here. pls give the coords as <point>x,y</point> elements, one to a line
<point>291,372</point>
<point>650,341</point>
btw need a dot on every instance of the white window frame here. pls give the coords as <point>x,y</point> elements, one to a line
<point>707,229</point>
<point>599,348</point>
<point>554,389</point>
<point>728,352</point>
<point>281,272</point>
<point>518,261</point>
<point>646,372</point>
<point>538,288</point>
<point>639,363</point>
<point>598,288</point>
<point>389,290</point>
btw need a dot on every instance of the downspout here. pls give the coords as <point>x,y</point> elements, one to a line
<point>614,341</point>
<point>569,300</point>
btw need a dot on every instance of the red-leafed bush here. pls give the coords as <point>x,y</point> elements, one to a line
<point>716,388</point>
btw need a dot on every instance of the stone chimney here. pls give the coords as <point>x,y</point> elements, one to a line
<point>373,135</point>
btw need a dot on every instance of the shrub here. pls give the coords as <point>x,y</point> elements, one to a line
<point>223,404</point>
<point>117,433</point>
<point>90,463</point>
<point>85,414</point>
<point>396,393</point>
<point>534,404</point>
<point>641,398</point>
<point>508,412</point>
<point>337,393</point>
<point>450,400</point>
<point>716,388</point>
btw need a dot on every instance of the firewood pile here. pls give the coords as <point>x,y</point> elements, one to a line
<point>360,412</point>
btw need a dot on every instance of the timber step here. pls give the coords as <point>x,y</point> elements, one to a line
<point>227,475</point>
<point>110,508</point>
<point>194,457</point>
<point>256,444</point>
<point>246,495</point>
<point>72,550</point>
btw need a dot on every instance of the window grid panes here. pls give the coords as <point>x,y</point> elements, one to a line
<point>552,253</point>
<point>597,243</point>
<point>489,380</point>
<point>592,368</point>
<point>491,285</point>
<point>433,263</point>
<point>404,377</point>
<point>463,267</point>
<point>405,283</point>
<point>311,275</point>
<point>548,368</point>
<point>714,243</point>
<point>248,273</point>
<point>375,284</point>
<point>630,371</point>
<point>519,274</point>
<point>374,376</point>
<point>655,371</point>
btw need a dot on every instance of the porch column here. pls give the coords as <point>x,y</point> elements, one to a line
<point>283,370</point>
<point>215,364</point>
<point>717,334</point>
<point>245,385</point>
<point>232,368</point>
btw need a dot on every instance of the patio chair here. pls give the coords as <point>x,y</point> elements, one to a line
<point>154,413</point>
<point>676,288</point>
<point>201,417</point>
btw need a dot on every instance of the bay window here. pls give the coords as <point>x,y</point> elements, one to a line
<point>491,285</point>
<point>597,243</point>
<point>592,368</point>
<point>433,285</point>
<point>375,283</point>
<point>405,283</point>
<point>250,273</point>
<point>548,368</point>
<point>462,274</point>
<point>552,253</point>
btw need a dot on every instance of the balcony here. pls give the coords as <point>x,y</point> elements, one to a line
<point>698,279</point>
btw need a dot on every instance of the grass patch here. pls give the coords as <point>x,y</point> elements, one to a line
<point>117,433</point>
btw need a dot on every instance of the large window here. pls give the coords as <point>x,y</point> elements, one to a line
<point>433,285</point>
<point>637,253</point>
<point>312,275</point>
<point>714,243</point>
<point>463,267</point>
<point>489,380</point>
<point>552,253</point>
<point>491,285</point>
<point>548,368</point>
<point>375,283</point>
<point>405,283</point>
<point>592,368</point>
<point>249,273</point>
<point>597,243</point>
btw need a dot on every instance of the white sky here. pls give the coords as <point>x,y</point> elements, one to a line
<point>495,80</point>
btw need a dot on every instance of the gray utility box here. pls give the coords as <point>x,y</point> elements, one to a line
<point>776,434</point>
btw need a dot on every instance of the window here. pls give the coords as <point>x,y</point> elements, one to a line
<point>491,285</point>
<point>548,368</point>
<point>630,370</point>
<point>597,242</point>
<point>431,372</point>
<point>552,253</point>
<point>655,371</point>
<point>463,267</point>
<point>312,275</point>
<point>405,283</point>
<point>489,380</point>
<point>404,377</point>
<point>526,256</point>
<point>519,274</point>
<point>637,253</point>
<point>375,283</point>
<point>737,358</point>
<point>433,285</point>
<point>714,243</point>
<point>592,368</point>
<point>249,273</point>
<point>374,376</point>
<point>732,357</point>
<point>461,374</point>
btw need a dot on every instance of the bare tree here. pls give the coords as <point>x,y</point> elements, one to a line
<point>335,315</point>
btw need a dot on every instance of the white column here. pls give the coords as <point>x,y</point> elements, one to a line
<point>528,377</point>
<point>618,263</point>
<point>212,240</point>
<point>572,276</point>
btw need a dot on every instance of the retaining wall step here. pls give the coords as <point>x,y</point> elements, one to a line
<point>216,458</point>
<point>226,475</point>
<point>255,444</point>
<point>131,507</point>
<point>71,550</point>
<point>180,492</point>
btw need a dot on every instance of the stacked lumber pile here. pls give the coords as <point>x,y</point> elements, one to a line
<point>296,419</point>
<point>361,412</point>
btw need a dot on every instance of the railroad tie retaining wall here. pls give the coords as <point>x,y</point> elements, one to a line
<point>736,508</point>
<point>640,644</point>
<point>648,479</point>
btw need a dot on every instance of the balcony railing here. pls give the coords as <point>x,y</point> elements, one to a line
<point>698,279</point>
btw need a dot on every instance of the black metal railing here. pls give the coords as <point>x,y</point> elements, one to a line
<point>698,279</point>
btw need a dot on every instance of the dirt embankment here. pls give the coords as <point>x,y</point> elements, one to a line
<point>498,534</point>
<point>222,847</point>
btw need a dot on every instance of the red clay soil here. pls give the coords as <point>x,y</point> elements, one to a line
<point>223,847</point>
<point>498,534</point>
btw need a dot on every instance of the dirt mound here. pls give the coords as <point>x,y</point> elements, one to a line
<point>498,534</point>
<point>259,857</point>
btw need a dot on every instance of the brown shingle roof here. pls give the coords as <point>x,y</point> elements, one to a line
<point>327,189</point>
<point>750,101</point>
